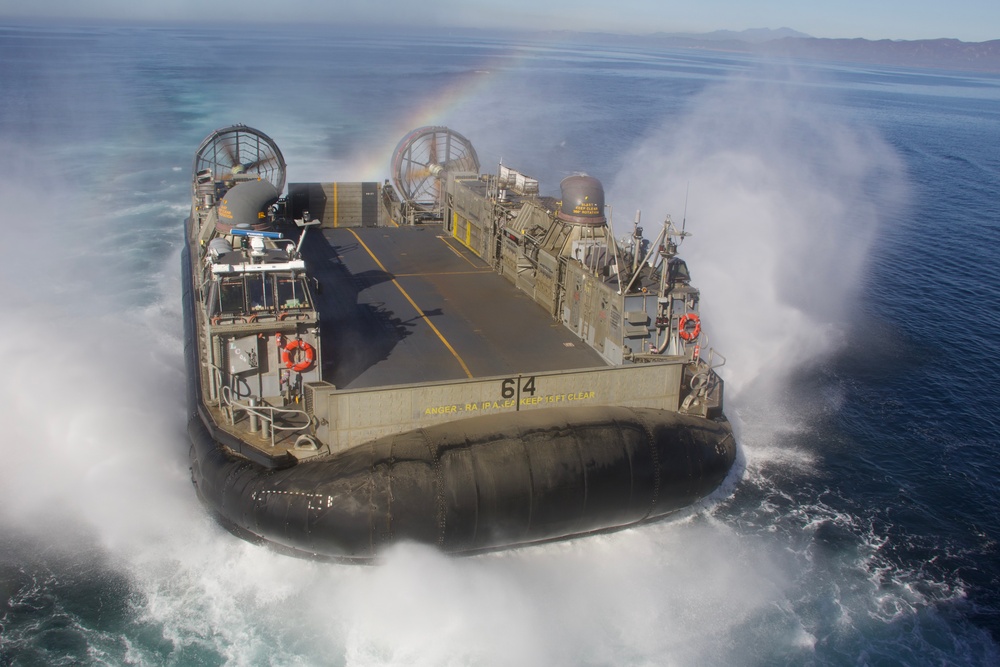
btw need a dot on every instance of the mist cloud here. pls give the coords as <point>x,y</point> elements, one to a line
<point>785,197</point>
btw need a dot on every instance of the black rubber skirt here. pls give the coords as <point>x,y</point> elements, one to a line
<point>474,485</point>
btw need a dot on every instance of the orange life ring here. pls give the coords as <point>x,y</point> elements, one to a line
<point>683,331</point>
<point>307,350</point>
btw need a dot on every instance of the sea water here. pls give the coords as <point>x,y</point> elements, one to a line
<point>844,225</point>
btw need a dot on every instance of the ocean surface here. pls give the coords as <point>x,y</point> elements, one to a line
<point>845,229</point>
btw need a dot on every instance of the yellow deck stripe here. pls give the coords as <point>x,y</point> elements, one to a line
<point>413,303</point>
<point>455,250</point>
<point>444,273</point>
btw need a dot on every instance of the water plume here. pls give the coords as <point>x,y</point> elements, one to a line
<point>784,196</point>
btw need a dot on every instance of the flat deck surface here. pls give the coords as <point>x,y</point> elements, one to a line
<point>411,304</point>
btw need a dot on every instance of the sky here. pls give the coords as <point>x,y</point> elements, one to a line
<point>968,20</point>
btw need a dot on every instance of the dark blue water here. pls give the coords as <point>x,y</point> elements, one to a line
<point>845,223</point>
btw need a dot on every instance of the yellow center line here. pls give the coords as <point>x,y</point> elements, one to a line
<point>445,273</point>
<point>457,251</point>
<point>413,303</point>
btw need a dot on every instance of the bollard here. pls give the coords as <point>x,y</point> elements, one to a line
<point>254,419</point>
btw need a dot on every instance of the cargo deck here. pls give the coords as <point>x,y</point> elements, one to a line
<point>413,305</point>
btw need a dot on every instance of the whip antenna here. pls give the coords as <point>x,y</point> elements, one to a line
<point>684,220</point>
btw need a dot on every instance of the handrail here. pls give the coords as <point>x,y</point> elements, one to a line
<point>712,352</point>
<point>263,412</point>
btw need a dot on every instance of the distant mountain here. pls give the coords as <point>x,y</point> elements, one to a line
<point>753,35</point>
<point>936,53</point>
<point>785,42</point>
<point>940,53</point>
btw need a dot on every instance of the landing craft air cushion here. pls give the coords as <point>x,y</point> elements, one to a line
<point>451,358</point>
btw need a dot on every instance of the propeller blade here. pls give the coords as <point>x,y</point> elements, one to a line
<point>231,153</point>
<point>422,172</point>
<point>258,162</point>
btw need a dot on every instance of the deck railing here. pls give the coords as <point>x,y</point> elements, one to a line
<point>262,417</point>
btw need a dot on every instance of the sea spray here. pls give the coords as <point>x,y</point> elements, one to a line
<point>783,198</point>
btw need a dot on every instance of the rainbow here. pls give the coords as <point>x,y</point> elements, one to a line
<point>433,111</point>
<point>439,105</point>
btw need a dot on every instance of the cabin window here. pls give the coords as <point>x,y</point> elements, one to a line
<point>291,294</point>
<point>678,272</point>
<point>232,296</point>
<point>260,292</point>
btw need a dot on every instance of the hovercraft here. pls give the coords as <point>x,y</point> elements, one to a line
<point>451,358</point>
